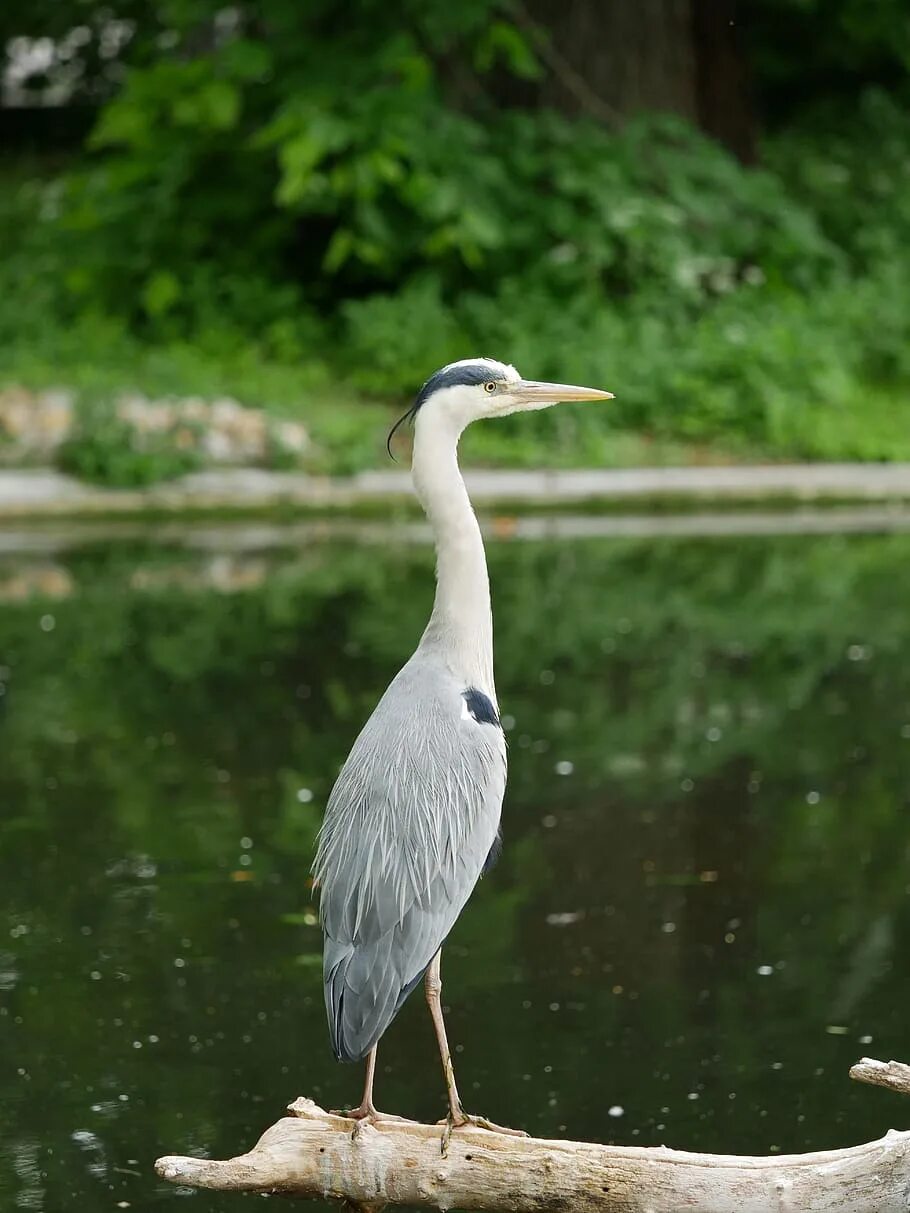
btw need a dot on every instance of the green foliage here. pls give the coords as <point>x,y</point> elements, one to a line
<point>853,171</point>
<point>393,338</point>
<point>810,52</point>
<point>105,449</point>
<point>281,194</point>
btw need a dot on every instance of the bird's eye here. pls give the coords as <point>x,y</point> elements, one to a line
<point>489,388</point>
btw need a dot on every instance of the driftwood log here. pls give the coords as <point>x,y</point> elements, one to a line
<point>891,1074</point>
<point>313,1153</point>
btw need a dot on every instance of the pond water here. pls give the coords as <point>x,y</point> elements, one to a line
<point>702,913</point>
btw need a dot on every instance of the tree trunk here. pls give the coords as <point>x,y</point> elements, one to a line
<point>723,82</point>
<point>633,57</point>
<point>611,59</point>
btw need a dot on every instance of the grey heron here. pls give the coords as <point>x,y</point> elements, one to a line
<point>413,820</point>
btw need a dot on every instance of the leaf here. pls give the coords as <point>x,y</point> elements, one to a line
<point>162,290</point>
<point>247,60</point>
<point>503,42</point>
<point>121,123</point>
<point>340,248</point>
<point>219,104</point>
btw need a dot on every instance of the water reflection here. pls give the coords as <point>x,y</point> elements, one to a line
<point>700,919</point>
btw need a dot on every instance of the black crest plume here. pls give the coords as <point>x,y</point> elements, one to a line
<point>465,375</point>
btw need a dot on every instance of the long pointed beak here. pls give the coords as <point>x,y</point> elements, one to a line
<point>554,393</point>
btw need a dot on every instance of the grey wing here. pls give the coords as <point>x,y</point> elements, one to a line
<point>410,822</point>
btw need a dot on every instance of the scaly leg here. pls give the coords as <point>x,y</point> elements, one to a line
<point>367,1112</point>
<point>367,1109</point>
<point>457,1117</point>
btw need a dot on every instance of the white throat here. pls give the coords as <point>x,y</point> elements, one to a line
<point>461,626</point>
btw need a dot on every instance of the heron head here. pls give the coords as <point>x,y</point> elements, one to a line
<point>475,388</point>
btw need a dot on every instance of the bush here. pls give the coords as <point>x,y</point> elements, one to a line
<point>107,450</point>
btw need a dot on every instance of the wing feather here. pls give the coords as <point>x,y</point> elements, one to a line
<point>409,824</point>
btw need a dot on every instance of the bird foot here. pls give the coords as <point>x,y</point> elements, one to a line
<point>464,1120</point>
<point>367,1114</point>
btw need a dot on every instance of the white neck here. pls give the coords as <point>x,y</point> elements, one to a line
<point>461,626</point>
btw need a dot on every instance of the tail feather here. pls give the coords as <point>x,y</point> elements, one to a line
<point>362,997</point>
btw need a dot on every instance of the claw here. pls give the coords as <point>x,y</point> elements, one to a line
<point>463,1119</point>
<point>368,1115</point>
<point>446,1136</point>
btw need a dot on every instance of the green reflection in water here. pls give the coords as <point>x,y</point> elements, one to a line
<point>706,865</point>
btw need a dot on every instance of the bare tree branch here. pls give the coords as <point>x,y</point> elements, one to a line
<point>891,1074</point>
<point>316,1154</point>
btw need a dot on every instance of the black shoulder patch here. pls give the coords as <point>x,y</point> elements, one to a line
<point>480,706</point>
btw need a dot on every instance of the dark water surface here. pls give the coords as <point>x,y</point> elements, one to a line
<point>701,917</point>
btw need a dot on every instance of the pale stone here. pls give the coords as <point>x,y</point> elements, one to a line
<point>35,421</point>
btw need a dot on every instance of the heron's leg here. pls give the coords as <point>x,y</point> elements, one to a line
<point>367,1112</point>
<point>367,1109</point>
<point>457,1116</point>
<point>433,987</point>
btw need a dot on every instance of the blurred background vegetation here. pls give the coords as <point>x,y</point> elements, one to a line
<point>703,208</point>
<point>307,207</point>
